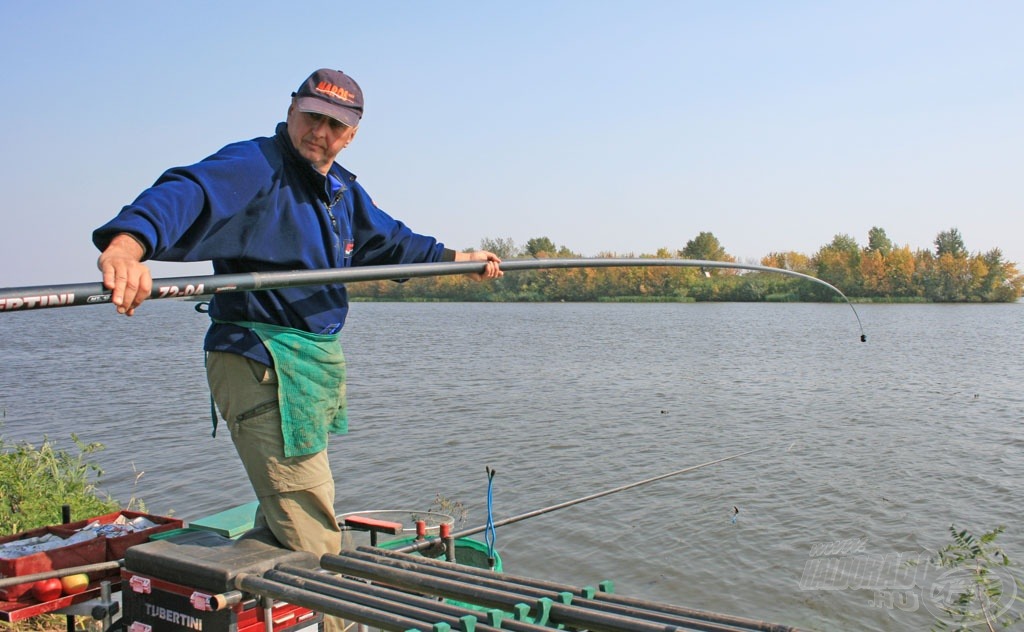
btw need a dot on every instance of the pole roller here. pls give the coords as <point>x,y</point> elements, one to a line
<point>359,592</point>
<point>314,601</point>
<point>531,592</point>
<point>354,592</point>
<point>594,599</point>
<point>547,610</point>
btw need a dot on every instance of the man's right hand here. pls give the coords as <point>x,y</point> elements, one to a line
<point>124,273</point>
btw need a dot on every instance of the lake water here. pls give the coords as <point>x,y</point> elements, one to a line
<point>877,446</point>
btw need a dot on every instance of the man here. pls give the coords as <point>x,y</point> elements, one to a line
<point>274,361</point>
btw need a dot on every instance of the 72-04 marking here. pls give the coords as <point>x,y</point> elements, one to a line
<point>170,291</point>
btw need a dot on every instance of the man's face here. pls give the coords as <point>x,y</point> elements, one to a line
<point>318,138</point>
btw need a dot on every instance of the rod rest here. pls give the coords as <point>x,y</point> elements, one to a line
<point>373,525</point>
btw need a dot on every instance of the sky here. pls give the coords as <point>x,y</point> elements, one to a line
<point>608,127</point>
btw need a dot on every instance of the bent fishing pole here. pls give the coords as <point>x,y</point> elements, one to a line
<point>76,294</point>
<point>577,501</point>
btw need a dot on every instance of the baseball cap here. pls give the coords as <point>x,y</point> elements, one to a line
<point>331,93</point>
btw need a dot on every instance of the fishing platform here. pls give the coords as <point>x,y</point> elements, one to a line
<point>212,576</point>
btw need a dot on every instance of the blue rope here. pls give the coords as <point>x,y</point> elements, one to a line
<point>489,534</point>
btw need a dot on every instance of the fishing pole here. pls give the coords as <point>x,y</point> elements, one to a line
<point>569,503</point>
<point>76,294</point>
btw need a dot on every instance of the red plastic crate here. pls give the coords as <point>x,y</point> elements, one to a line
<point>116,546</point>
<point>78,554</point>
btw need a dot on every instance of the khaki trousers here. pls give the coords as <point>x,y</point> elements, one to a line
<point>296,494</point>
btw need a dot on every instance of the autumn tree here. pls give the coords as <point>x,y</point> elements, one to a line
<point>899,272</point>
<point>954,277</point>
<point>873,275</point>
<point>795,261</point>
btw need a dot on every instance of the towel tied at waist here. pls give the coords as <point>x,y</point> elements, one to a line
<point>310,385</point>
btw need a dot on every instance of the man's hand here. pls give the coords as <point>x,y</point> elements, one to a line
<point>492,271</point>
<point>124,274</point>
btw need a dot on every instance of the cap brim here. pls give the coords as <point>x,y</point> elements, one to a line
<point>319,106</point>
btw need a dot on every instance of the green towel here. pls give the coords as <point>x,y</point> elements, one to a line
<point>310,385</point>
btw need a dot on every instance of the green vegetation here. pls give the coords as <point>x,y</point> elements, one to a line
<point>35,482</point>
<point>877,272</point>
<point>454,508</point>
<point>988,594</point>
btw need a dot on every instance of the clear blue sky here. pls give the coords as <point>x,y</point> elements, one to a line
<point>606,126</point>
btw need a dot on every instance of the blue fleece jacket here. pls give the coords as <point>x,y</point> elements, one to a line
<point>259,206</point>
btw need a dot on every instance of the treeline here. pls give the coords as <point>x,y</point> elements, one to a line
<point>878,271</point>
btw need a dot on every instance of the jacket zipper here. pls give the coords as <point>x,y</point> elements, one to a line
<point>336,233</point>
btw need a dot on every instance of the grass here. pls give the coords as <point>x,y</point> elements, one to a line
<point>35,483</point>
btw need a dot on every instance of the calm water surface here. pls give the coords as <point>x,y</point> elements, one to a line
<point>880,446</point>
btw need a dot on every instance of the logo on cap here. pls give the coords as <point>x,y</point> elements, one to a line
<point>329,89</point>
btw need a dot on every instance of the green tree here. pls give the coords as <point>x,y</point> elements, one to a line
<point>503,247</point>
<point>878,241</point>
<point>926,277</point>
<point>705,246</point>
<point>950,242</point>
<point>540,245</point>
<point>949,278</point>
<point>1002,283</point>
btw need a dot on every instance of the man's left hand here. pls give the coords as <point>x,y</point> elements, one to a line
<point>492,271</point>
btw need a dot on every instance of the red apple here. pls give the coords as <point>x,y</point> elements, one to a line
<point>47,589</point>
<point>74,584</point>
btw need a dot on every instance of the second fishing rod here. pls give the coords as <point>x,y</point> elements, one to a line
<point>491,524</point>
